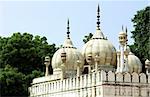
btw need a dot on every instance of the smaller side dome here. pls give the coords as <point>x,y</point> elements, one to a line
<point>134,63</point>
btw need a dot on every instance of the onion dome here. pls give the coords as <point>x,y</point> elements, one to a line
<point>134,63</point>
<point>101,47</point>
<point>67,57</point>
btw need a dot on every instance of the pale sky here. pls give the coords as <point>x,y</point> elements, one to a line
<point>49,18</point>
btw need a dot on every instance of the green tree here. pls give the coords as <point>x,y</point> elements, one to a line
<point>25,52</point>
<point>14,83</point>
<point>87,37</point>
<point>141,34</point>
<point>12,80</point>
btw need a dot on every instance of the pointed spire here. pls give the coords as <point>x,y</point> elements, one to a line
<point>122,28</point>
<point>126,35</point>
<point>68,42</point>
<point>98,18</point>
<point>126,30</point>
<point>68,32</point>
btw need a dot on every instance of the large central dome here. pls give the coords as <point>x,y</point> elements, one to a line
<point>99,49</point>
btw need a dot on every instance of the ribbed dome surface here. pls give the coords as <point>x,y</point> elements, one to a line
<point>72,56</point>
<point>134,63</point>
<point>100,46</point>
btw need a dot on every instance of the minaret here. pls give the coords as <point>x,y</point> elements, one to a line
<point>47,63</point>
<point>123,66</point>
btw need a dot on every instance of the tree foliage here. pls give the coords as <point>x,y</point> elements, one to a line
<point>14,83</point>
<point>141,34</point>
<point>12,80</point>
<point>25,54</point>
<point>87,37</point>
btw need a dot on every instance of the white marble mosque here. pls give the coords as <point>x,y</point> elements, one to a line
<point>110,73</point>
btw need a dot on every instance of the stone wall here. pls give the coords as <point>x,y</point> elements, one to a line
<point>100,84</point>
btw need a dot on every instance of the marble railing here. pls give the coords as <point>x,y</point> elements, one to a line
<point>101,79</point>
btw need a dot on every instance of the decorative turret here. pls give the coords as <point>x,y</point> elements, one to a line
<point>123,37</point>
<point>47,63</point>
<point>126,60</point>
<point>123,54</point>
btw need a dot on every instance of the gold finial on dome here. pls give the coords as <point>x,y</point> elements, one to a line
<point>68,32</point>
<point>98,18</point>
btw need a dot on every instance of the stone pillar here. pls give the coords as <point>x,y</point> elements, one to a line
<point>62,71</point>
<point>118,62</point>
<point>93,85</point>
<point>96,63</point>
<point>78,68</point>
<point>89,68</point>
<point>47,63</point>
<point>63,58</point>
<point>126,53</point>
<point>122,59</point>
<point>89,61</point>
